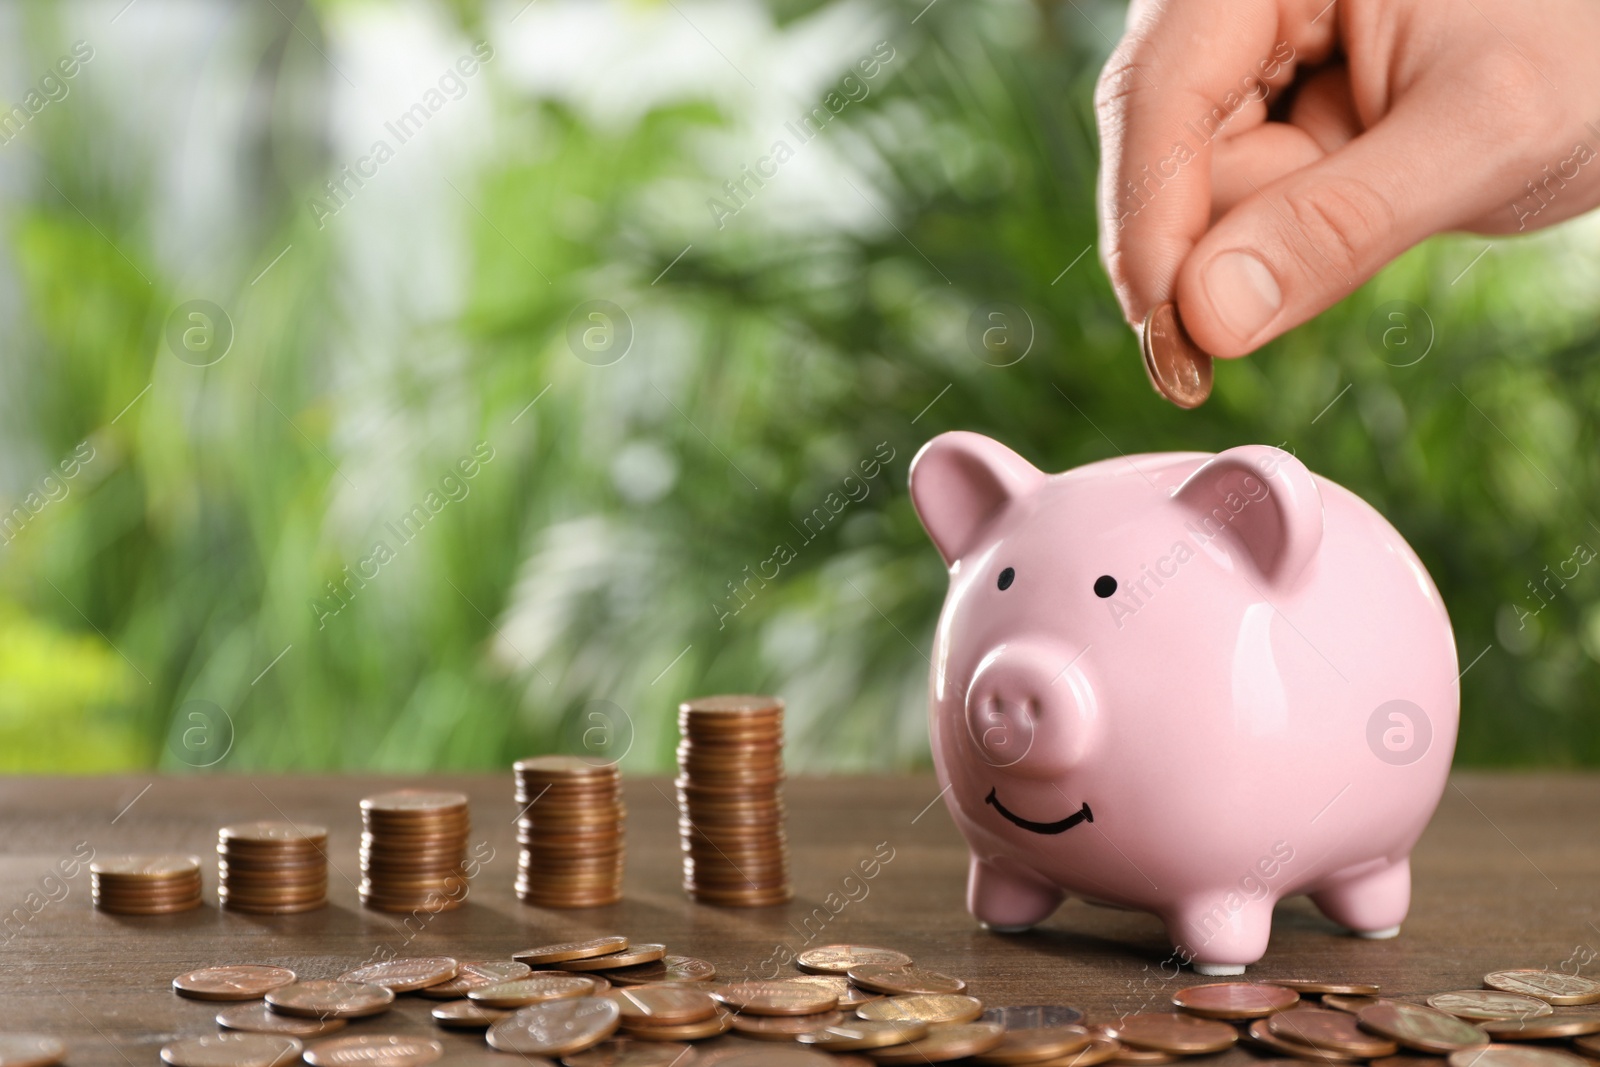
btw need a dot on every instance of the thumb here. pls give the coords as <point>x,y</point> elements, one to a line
<point>1296,246</point>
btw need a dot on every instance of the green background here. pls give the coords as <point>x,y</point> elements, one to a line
<point>159,608</point>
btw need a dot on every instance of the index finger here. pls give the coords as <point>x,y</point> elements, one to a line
<point>1186,73</point>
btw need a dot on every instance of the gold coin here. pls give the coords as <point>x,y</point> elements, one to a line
<point>783,1027</point>
<point>557,1028</point>
<point>1032,1016</point>
<point>732,705</point>
<point>1352,1005</point>
<point>695,1031</point>
<point>775,998</point>
<point>1515,1056</point>
<point>475,974</point>
<point>382,1050</point>
<point>1184,1035</point>
<point>864,1034</point>
<point>662,1005</point>
<point>146,868</point>
<point>894,980</point>
<point>260,1019</point>
<point>233,1050</point>
<point>404,975</point>
<point>849,996</point>
<point>1036,1045</point>
<point>924,1007</point>
<point>1420,1028</point>
<point>626,1052</point>
<point>466,1015</point>
<point>1542,1027</point>
<point>666,970</point>
<point>1260,1033</point>
<point>407,802</point>
<point>1235,1000</point>
<point>628,957</point>
<point>1553,987</point>
<point>30,1050</point>
<point>336,1000</point>
<point>271,832</point>
<point>1489,1004</point>
<point>239,981</point>
<point>1327,1030</point>
<point>1100,1050</point>
<point>942,1043</point>
<point>1178,368</point>
<point>1316,985</point>
<point>571,950</point>
<point>520,992</point>
<point>838,959</point>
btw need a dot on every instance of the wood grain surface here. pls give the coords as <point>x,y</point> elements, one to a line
<point>1508,875</point>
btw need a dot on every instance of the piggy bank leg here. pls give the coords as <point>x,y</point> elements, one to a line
<point>1218,939</point>
<point>1371,904</point>
<point>1007,900</point>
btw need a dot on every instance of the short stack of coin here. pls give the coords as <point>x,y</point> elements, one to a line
<point>730,825</point>
<point>146,885</point>
<point>272,868</point>
<point>412,850</point>
<point>570,831</point>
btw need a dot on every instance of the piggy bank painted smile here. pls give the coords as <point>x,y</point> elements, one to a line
<point>1185,684</point>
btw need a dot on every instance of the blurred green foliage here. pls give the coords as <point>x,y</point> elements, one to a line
<point>585,577</point>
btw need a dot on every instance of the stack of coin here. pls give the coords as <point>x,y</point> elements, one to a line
<point>730,805</point>
<point>146,885</point>
<point>412,851</point>
<point>570,831</point>
<point>271,868</point>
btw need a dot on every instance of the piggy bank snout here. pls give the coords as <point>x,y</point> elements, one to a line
<point>1029,710</point>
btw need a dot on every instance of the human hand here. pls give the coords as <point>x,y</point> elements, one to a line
<point>1403,119</point>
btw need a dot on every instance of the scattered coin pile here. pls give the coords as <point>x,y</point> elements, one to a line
<point>412,851</point>
<point>146,885</point>
<point>271,868</point>
<point>730,825</point>
<point>570,832</point>
<point>1178,368</point>
<point>607,1002</point>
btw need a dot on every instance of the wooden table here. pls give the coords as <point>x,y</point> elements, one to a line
<point>1508,875</point>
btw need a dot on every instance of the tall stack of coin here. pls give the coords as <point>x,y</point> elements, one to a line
<point>570,831</point>
<point>272,868</point>
<point>730,824</point>
<point>146,885</point>
<point>413,850</point>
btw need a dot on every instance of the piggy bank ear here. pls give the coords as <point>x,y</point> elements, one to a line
<point>960,482</point>
<point>1266,501</point>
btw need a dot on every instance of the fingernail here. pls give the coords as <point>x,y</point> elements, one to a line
<point>1243,293</point>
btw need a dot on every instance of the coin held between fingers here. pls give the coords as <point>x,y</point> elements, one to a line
<point>1178,368</point>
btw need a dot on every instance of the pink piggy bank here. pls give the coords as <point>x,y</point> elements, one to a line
<point>1186,684</point>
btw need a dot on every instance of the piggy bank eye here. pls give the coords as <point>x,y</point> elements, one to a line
<point>1104,586</point>
<point>1007,576</point>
